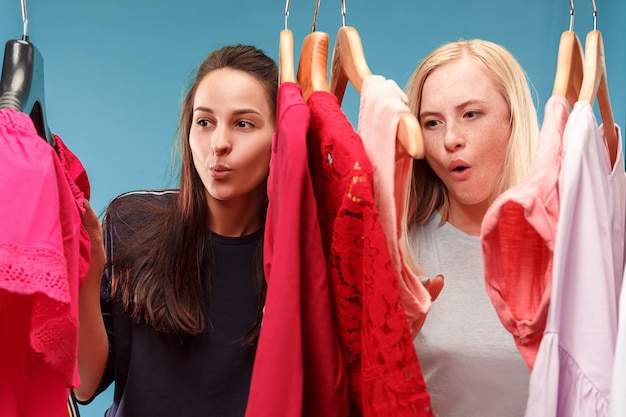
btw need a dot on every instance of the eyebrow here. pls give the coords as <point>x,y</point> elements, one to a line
<point>457,107</point>
<point>238,111</point>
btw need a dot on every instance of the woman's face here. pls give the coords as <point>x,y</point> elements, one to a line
<point>466,128</point>
<point>231,135</point>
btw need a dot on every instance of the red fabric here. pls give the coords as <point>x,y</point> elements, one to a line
<point>78,182</point>
<point>384,374</point>
<point>298,369</point>
<point>517,238</point>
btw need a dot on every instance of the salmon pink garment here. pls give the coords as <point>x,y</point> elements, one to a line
<point>517,238</point>
<point>384,374</point>
<point>298,368</point>
<point>382,104</point>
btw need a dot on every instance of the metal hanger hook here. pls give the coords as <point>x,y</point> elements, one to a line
<point>25,21</point>
<point>595,15</point>
<point>571,15</point>
<point>317,7</point>
<point>343,12</point>
<point>287,13</point>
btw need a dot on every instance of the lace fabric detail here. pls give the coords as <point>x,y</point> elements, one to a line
<point>41,273</point>
<point>384,374</point>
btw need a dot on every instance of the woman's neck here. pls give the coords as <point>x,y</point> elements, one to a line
<point>467,219</point>
<point>233,218</point>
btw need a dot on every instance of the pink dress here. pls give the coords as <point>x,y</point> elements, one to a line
<point>382,104</point>
<point>40,254</point>
<point>573,368</point>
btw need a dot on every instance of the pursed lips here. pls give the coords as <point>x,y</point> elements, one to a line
<point>219,171</point>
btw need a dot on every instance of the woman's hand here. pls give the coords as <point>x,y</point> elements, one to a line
<point>93,346</point>
<point>92,225</point>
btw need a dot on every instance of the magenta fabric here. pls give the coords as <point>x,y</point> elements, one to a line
<point>382,104</point>
<point>39,249</point>
<point>384,375</point>
<point>298,369</point>
<point>573,368</point>
<point>517,238</point>
<point>29,386</point>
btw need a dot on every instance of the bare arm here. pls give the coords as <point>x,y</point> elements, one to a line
<point>93,345</point>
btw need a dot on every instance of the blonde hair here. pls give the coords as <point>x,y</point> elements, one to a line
<point>426,192</point>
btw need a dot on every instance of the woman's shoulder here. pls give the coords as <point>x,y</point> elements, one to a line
<point>429,226</point>
<point>142,196</point>
<point>137,199</point>
<point>139,206</point>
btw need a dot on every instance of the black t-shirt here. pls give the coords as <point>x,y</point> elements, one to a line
<point>209,375</point>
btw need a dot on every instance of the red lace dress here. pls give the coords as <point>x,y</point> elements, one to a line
<point>384,374</point>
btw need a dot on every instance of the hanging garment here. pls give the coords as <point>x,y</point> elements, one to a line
<point>298,367</point>
<point>572,372</point>
<point>382,104</point>
<point>384,375</point>
<point>39,280</point>
<point>617,406</point>
<point>517,239</point>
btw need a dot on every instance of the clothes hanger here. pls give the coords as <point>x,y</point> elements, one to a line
<point>595,84</point>
<point>22,83</point>
<point>349,64</point>
<point>313,62</point>
<point>285,52</point>
<point>569,68</point>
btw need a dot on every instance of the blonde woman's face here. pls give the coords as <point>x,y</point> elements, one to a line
<point>231,135</point>
<point>466,129</point>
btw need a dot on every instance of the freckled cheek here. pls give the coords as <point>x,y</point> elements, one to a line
<point>493,160</point>
<point>433,153</point>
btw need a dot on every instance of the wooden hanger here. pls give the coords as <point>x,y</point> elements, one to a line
<point>595,85</point>
<point>569,68</point>
<point>285,52</point>
<point>349,64</point>
<point>285,57</point>
<point>313,64</point>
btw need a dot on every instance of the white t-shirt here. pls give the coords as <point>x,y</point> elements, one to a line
<point>470,362</point>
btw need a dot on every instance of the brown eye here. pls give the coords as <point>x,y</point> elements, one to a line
<point>431,123</point>
<point>244,124</point>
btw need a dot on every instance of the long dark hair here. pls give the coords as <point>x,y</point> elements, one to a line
<point>159,268</point>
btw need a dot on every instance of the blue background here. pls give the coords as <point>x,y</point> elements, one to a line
<point>115,70</point>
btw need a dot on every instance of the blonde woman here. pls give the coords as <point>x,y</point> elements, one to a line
<point>479,124</point>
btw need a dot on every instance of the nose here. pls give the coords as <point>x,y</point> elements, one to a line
<point>454,138</point>
<point>220,141</point>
